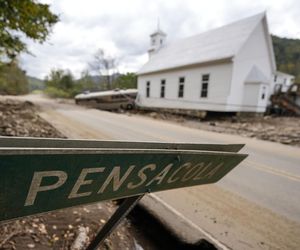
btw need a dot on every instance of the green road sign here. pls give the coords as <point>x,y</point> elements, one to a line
<point>35,180</point>
<point>29,142</point>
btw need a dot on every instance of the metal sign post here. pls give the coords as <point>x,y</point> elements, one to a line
<point>127,205</point>
<point>41,175</point>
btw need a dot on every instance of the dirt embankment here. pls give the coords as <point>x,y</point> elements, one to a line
<point>59,229</point>
<point>285,130</point>
<point>20,119</point>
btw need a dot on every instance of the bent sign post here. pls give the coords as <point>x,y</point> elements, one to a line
<point>41,175</point>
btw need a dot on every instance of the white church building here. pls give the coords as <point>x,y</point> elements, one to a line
<point>227,69</point>
<point>283,80</point>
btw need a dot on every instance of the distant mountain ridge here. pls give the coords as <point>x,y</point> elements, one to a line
<point>102,78</point>
<point>35,83</point>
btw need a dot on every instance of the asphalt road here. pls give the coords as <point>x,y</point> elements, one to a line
<point>256,206</point>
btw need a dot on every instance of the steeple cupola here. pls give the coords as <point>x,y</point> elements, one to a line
<point>157,40</point>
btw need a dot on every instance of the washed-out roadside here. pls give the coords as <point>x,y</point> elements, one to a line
<point>282,129</point>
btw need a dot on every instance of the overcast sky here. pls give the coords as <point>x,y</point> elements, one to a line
<point>122,28</point>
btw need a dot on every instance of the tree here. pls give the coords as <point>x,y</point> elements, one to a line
<point>19,18</point>
<point>126,81</point>
<point>104,64</point>
<point>287,53</point>
<point>60,83</point>
<point>13,80</point>
<point>86,82</point>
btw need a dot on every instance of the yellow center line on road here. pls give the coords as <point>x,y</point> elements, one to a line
<point>272,170</point>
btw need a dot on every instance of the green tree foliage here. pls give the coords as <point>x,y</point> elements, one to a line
<point>86,82</point>
<point>287,53</point>
<point>60,83</point>
<point>13,80</point>
<point>127,81</point>
<point>23,18</point>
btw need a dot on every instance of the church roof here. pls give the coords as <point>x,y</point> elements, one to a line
<point>158,32</point>
<point>217,44</point>
<point>284,74</point>
<point>256,76</point>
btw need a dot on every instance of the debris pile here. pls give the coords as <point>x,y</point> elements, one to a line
<point>19,118</point>
<point>282,129</point>
<point>285,130</point>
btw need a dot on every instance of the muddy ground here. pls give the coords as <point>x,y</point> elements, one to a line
<point>285,130</point>
<point>59,229</point>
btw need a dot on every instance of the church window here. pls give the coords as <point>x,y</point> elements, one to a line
<point>162,88</point>
<point>181,87</point>
<point>204,85</point>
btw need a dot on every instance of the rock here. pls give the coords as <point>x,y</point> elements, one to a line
<point>234,119</point>
<point>81,239</point>
<point>153,115</point>
<point>31,245</point>
<point>42,228</point>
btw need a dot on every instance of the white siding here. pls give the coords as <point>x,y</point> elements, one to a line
<point>285,80</point>
<point>252,98</point>
<point>254,52</point>
<point>218,88</point>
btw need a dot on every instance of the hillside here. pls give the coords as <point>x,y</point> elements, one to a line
<point>35,83</point>
<point>287,53</point>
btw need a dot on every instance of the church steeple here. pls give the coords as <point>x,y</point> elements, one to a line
<point>157,40</point>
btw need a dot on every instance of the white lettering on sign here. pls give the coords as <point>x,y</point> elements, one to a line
<point>82,181</point>
<point>213,171</point>
<point>142,176</point>
<point>115,176</point>
<point>200,171</point>
<point>168,175</point>
<point>190,173</point>
<point>159,178</point>
<point>172,177</point>
<point>36,182</point>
